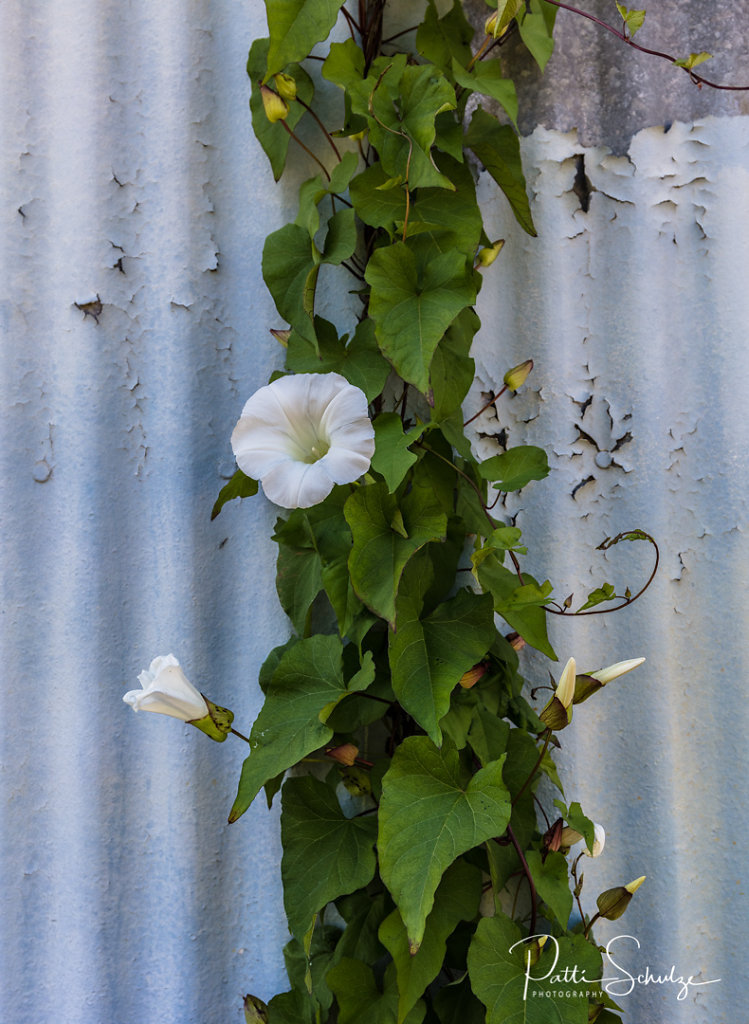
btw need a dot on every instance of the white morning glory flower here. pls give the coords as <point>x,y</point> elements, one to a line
<point>166,690</point>
<point>301,435</point>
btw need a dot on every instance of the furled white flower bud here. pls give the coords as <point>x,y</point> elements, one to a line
<point>566,686</point>
<point>607,675</point>
<point>167,691</point>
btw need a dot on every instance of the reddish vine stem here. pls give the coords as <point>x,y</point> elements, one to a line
<point>351,22</point>
<point>577,894</point>
<point>627,601</point>
<point>697,79</point>
<point>245,738</point>
<point>528,875</point>
<point>306,149</point>
<point>324,130</point>
<point>485,407</point>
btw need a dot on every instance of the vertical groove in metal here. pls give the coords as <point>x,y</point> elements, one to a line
<point>129,179</point>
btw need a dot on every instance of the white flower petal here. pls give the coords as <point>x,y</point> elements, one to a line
<point>343,465</point>
<point>297,484</point>
<point>345,408</point>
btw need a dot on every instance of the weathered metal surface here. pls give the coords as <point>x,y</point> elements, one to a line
<point>134,320</point>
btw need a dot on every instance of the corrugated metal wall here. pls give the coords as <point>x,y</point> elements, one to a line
<point>135,203</point>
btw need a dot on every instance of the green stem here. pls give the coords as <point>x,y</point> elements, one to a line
<point>245,738</point>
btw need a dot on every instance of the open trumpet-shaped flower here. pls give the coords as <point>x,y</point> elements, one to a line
<point>301,435</point>
<point>167,690</point>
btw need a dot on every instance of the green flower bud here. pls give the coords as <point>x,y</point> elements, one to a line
<point>282,337</point>
<point>216,724</point>
<point>516,377</point>
<point>558,712</point>
<point>276,108</point>
<point>286,86</point>
<point>488,254</point>
<point>613,902</point>
<point>255,1010</point>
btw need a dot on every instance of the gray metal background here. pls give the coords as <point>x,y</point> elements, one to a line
<point>130,179</point>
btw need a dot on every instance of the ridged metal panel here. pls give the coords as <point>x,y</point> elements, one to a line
<point>635,313</point>
<point>129,179</point>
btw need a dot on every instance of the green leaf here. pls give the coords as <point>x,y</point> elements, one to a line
<point>363,915</point>
<point>344,64</point>
<point>240,486</point>
<point>443,40</point>
<point>306,685</point>
<point>428,656</point>
<point>315,544</point>
<point>516,467</point>
<point>576,819</point>
<point>456,899</point>
<point>448,220</point>
<point>632,19</point>
<point>298,582</point>
<point>456,1004</point>
<point>295,26</point>
<point>359,999</point>
<point>413,303</point>
<point>552,883</point>
<point>289,271</point>
<point>380,551</point>
<point>603,593</point>
<point>432,810</point>
<point>393,457</point>
<point>536,28</point>
<point>341,238</point>
<point>404,134</point>
<point>521,606</point>
<point>360,361</point>
<point>497,968</point>
<point>325,854</point>
<point>377,206</point>
<point>291,1008</point>
<point>693,60</point>
<point>488,736</point>
<point>452,370</point>
<point>273,137</point>
<point>486,77</point>
<point>307,970</point>
<point>498,149</point>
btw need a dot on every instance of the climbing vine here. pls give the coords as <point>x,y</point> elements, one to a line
<point>426,877</point>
